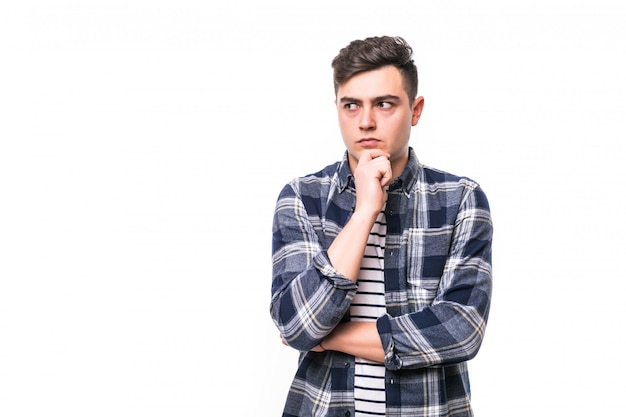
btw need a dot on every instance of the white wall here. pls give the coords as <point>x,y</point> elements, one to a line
<point>143,144</point>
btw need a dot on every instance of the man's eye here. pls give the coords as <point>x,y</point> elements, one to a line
<point>384,105</point>
<point>350,106</point>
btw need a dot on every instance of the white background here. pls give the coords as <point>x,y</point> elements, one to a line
<point>143,145</point>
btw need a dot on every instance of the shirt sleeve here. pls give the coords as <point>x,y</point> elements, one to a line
<point>451,329</point>
<point>309,297</point>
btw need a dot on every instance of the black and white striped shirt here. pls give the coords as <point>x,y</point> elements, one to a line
<point>369,304</point>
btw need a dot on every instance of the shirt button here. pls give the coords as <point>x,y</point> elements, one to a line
<point>347,413</point>
<point>347,365</point>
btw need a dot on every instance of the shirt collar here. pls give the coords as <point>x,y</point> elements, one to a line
<point>344,175</point>
<point>405,181</point>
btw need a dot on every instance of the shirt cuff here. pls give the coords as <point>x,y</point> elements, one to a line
<point>322,263</point>
<point>383,325</point>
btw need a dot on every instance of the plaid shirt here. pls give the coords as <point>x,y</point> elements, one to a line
<point>437,289</point>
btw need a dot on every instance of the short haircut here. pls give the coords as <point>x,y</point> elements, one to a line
<point>374,53</point>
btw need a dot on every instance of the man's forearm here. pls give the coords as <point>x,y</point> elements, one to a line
<point>346,251</point>
<point>358,339</point>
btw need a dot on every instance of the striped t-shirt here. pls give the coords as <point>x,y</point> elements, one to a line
<point>369,304</point>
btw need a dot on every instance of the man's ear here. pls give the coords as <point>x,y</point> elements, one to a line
<point>418,105</point>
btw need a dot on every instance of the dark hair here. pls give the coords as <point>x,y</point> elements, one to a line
<point>374,53</point>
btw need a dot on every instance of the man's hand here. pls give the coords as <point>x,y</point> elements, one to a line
<point>371,175</point>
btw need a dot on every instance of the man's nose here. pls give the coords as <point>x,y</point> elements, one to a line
<point>367,121</point>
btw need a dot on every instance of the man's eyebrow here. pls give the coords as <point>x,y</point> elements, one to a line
<point>349,100</point>
<point>386,97</point>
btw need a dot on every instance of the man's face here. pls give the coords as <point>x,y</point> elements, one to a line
<point>375,112</point>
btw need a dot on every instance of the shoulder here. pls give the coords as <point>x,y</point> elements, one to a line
<point>454,189</point>
<point>431,178</point>
<point>314,184</point>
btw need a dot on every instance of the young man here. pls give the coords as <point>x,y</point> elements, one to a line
<point>381,265</point>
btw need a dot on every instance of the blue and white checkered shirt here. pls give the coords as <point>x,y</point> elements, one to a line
<point>437,289</point>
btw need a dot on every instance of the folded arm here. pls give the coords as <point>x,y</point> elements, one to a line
<point>452,327</point>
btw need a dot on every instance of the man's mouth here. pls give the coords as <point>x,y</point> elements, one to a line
<point>368,142</point>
